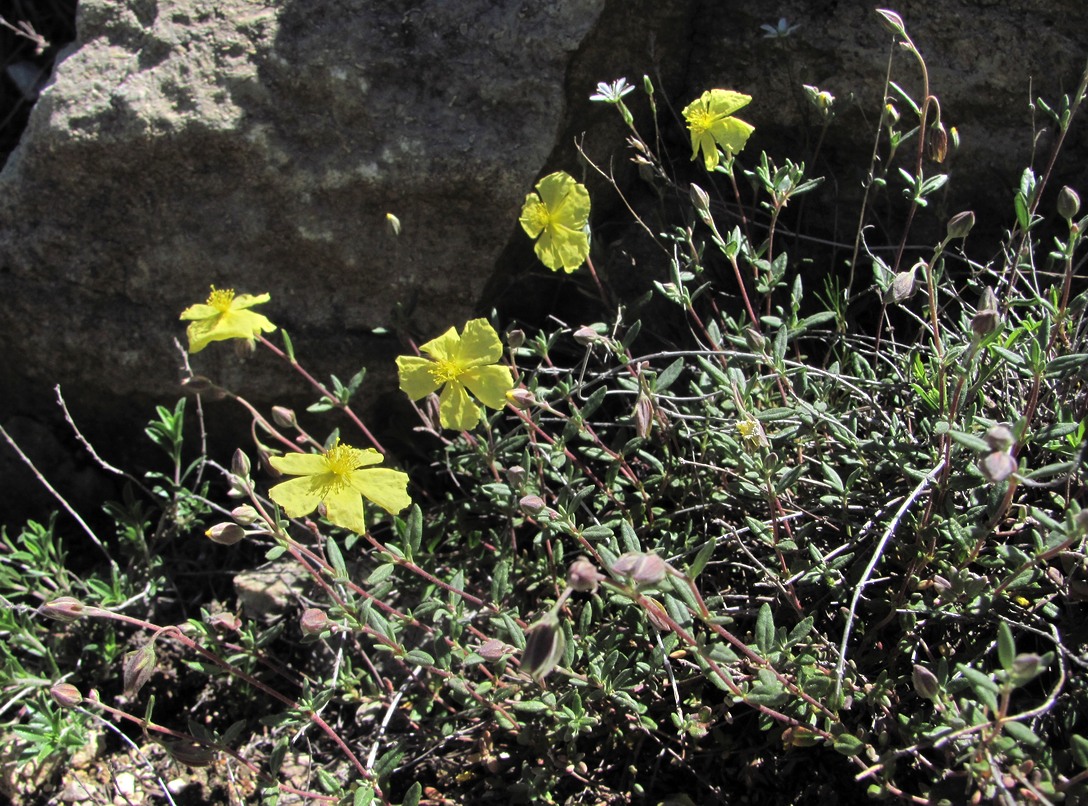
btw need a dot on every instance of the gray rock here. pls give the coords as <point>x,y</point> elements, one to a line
<point>259,145</point>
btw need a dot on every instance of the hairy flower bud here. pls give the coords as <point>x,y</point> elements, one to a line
<point>515,339</point>
<point>313,621</point>
<point>997,466</point>
<point>239,463</point>
<point>937,143</point>
<point>492,650</point>
<point>925,682</point>
<point>960,224</point>
<point>245,515</point>
<point>901,289</point>
<point>1068,203</point>
<point>583,576</point>
<point>532,505</point>
<point>700,200</point>
<point>644,415</point>
<point>284,417</point>
<point>544,647</point>
<point>392,225</point>
<point>65,695</point>
<point>225,534</point>
<point>640,567</point>
<point>138,666</point>
<point>515,475</point>
<point>1000,437</point>
<point>520,398</point>
<point>63,608</point>
<point>892,21</point>
<point>987,318</point>
<point>586,336</point>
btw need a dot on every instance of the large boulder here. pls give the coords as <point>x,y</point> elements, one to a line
<point>259,145</point>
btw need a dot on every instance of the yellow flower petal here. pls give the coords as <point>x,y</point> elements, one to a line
<point>223,317</point>
<point>456,409</point>
<point>300,464</point>
<point>444,347</point>
<point>479,345</point>
<point>489,385</point>
<point>344,507</point>
<point>299,496</point>
<point>386,488</point>
<point>416,376</point>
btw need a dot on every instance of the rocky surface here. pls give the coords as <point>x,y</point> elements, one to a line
<point>259,145</point>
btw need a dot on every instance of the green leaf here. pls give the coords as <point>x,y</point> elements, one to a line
<point>1079,745</point>
<point>669,375</point>
<point>336,559</point>
<point>848,744</point>
<point>1022,733</point>
<point>765,629</point>
<point>1006,646</point>
<point>702,558</point>
<point>412,796</point>
<point>380,574</point>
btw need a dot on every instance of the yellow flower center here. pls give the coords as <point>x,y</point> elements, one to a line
<point>342,460</point>
<point>221,298</point>
<point>700,120</point>
<point>540,216</point>
<point>445,370</point>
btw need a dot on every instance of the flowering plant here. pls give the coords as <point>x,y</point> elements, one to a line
<point>712,125</point>
<point>335,478</point>
<point>225,316</point>
<point>461,364</point>
<point>556,215</point>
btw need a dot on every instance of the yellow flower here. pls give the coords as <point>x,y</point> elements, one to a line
<point>556,214</point>
<point>460,363</point>
<point>334,479</point>
<point>711,125</point>
<point>223,317</point>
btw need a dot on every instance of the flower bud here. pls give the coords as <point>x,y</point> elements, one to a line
<point>197,384</point>
<point>225,534</point>
<point>640,567</point>
<point>936,143</point>
<point>583,576</point>
<point>891,113</point>
<point>647,85</point>
<point>284,417</point>
<point>892,21</point>
<point>520,398</point>
<point>544,647</point>
<point>239,463</point>
<point>492,650</point>
<point>64,608</point>
<point>65,695</point>
<point>313,621</point>
<point>586,336</point>
<point>997,466</point>
<point>700,200</point>
<point>138,666</point>
<point>925,682</point>
<point>901,289</point>
<point>987,318</point>
<point>1068,203</point>
<point>1025,667</point>
<point>644,416</point>
<point>392,225</point>
<point>532,505</point>
<point>515,475</point>
<point>960,224</point>
<point>755,340</point>
<point>245,515</point>
<point>515,339</point>
<point>1000,437</point>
